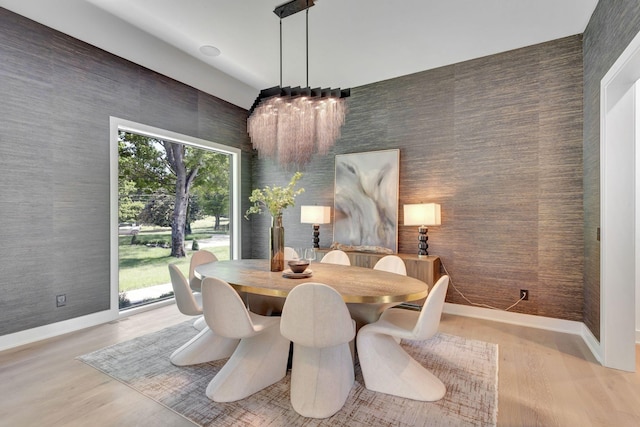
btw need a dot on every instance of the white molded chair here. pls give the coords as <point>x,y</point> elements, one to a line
<point>205,346</point>
<point>316,319</point>
<point>336,256</point>
<point>198,258</point>
<point>188,302</point>
<point>290,254</point>
<point>386,367</point>
<point>392,264</point>
<point>260,359</point>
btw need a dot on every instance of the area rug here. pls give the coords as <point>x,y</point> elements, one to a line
<point>468,368</point>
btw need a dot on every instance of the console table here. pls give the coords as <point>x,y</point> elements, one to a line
<point>426,268</point>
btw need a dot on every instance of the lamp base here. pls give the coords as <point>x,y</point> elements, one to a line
<point>316,235</point>
<point>422,242</point>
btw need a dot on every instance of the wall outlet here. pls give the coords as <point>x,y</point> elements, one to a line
<point>61,300</point>
<point>524,294</point>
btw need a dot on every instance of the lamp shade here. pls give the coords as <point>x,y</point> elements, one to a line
<point>315,214</point>
<point>422,214</point>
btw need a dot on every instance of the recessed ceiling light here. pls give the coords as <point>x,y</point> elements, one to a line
<point>209,50</point>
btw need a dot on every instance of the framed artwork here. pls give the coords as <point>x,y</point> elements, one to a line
<point>366,199</point>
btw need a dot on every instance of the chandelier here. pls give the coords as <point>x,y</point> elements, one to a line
<point>290,124</point>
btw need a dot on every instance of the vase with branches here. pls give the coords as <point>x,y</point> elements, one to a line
<point>275,200</point>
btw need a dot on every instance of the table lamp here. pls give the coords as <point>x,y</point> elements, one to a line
<point>315,215</point>
<point>422,215</point>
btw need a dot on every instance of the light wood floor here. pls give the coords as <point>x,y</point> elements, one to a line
<point>545,379</point>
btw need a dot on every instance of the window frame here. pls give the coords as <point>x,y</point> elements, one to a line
<point>118,124</point>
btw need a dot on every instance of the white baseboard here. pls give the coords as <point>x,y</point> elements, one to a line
<point>59,328</point>
<point>540,322</point>
<point>55,329</point>
<point>592,342</point>
<point>637,336</point>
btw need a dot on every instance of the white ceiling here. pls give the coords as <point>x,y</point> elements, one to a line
<point>351,42</point>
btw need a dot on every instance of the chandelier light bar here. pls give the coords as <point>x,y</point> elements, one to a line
<point>290,124</point>
<point>292,7</point>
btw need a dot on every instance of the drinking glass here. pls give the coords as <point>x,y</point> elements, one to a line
<point>310,254</point>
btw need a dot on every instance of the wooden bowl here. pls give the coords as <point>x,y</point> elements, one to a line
<point>298,266</point>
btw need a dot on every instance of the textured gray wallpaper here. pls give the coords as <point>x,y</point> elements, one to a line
<point>57,96</point>
<point>613,25</point>
<point>497,142</point>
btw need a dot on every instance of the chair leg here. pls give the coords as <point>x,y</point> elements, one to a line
<point>387,368</point>
<point>204,347</point>
<point>258,362</point>
<point>321,379</point>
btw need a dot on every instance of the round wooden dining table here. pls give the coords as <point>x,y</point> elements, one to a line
<point>366,291</point>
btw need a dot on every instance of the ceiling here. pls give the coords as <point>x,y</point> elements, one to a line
<point>351,42</point>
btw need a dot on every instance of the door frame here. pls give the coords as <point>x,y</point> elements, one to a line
<point>618,141</point>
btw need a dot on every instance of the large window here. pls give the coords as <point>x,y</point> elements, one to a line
<point>175,194</point>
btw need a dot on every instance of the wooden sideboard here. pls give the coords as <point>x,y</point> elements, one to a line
<point>426,268</point>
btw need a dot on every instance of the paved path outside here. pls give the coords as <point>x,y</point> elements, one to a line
<point>215,240</point>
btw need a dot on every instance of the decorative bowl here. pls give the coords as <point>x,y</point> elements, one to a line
<point>298,266</point>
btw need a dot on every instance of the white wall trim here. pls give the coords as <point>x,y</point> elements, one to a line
<point>540,322</point>
<point>618,215</point>
<point>592,342</point>
<point>528,320</point>
<point>72,325</point>
<point>51,330</point>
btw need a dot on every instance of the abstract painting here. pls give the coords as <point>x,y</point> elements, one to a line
<point>366,199</point>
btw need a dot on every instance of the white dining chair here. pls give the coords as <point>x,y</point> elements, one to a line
<point>291,254</point>
<point>336,256</point>
<point>392,264</point>
<point>205,346</point>
<point>316,320</point>
<point>198,258</point>
<point>386,366</point>
<point>388,263</point>
<point>187,301</point>
<point>260,359</point>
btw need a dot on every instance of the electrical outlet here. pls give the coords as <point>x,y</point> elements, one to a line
<point>524,294</point>
<point>61,300</point>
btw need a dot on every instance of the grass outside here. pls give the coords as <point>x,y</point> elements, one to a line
<point>144,265</point>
